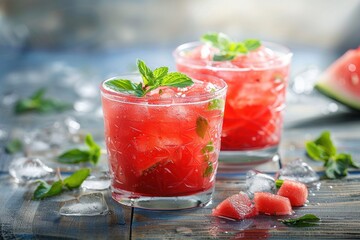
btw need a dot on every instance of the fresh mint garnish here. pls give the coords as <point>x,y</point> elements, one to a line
<point>151,80</point>
<point>201,126</point>
<point>306,220</point>
<point>229,49</point>
<point>336,164</point>
<point>91,155</point>
<point>38,103</point>
<point>45,190</point>
<point>13,146</point>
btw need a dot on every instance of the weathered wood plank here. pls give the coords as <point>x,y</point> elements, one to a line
<point>336,202</point>
<point>22,217</point>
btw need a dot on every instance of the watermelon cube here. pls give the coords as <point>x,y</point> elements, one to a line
<point>296,192</point>
<point>272,204</point>
<point>236,207</point>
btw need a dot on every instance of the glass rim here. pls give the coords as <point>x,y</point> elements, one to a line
<point>124,97</point>
<point>195,63</point>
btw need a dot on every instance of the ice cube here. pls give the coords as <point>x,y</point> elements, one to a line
<point>25,169</point>
<point>97,181</point>
<point>259,182</point>
<point>304,82</point>
<point>92,204</point>
<point>298,170</point>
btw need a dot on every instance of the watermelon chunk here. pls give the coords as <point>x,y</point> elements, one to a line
<point>296,192</point>
<point>236,207</point>
<point>341,80</point>
<point>272,204</point>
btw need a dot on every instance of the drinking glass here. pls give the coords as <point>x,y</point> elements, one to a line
<point>255,99</point>
<point>163,148</point>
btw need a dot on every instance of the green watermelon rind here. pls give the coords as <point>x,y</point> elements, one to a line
<point>326,90</point>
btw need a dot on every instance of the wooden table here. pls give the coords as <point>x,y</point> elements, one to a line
<point>336,202</point>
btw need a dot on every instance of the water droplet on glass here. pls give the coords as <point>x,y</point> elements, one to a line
<point>28,169</point>
<point>92,204</point>
<point>97,181</point>
<point>298,170</point>
<point>259,182</point>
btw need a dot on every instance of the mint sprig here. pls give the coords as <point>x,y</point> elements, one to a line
<point>76,155</point>
<point>306,220</point>
<point>336,164</point>
<point>45,190</point>
<point>152,79</point>
<point>39,103</point>
<point>229,49</point>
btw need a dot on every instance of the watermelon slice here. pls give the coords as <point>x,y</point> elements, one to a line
<point>296,192</point>
<point>341,81</point>
<point>236,207</point>
<point>272,204</point>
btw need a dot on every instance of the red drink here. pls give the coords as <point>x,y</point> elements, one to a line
<point>164,146</point>
<point>255,99</point>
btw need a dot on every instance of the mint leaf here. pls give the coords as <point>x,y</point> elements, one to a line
<point>316,152</point>
<point>279,183</point>
<point>323,149</point>
<point>146,73</point>
<point>95,150</point>
<point>160,72</point>
<point>201,126</point>
<point>151,80</point>
<point>76,179</point>
<point>176,79</point>
<point>306,220</point>
<point>252,44</point>
<point>216,104</point>
<point>208,148</point>
<point>229,49</point>
<point>74,156</point>
<point>45,190</point>
<point>209,169</point>
<point>13,146</point>
<point>121,85</point>
<point>38,103</point>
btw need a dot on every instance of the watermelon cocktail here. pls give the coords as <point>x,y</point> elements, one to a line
<point>256,74</point>
<point>163,145</point>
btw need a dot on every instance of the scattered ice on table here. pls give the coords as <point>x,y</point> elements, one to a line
<point>92,204</point>
<point>84,106</point>
<point>259,182</point>
<point>27,169</point>
<point>298,170</point>
<point>97,181</point>
<point>52,137</point>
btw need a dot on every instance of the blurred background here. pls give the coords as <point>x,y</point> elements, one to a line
<point>75,44</point>
<point>108,25</point>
